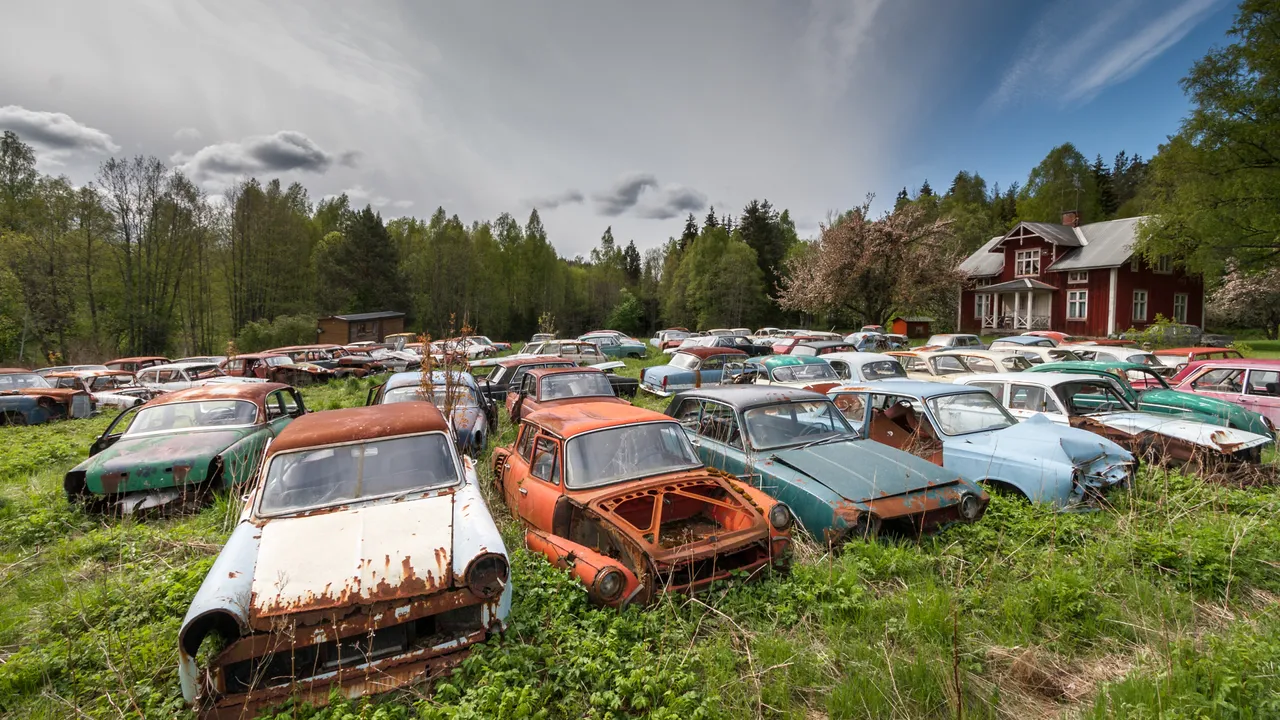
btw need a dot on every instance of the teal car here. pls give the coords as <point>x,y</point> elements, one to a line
<point>616,346</point>
<point>1148,392</point>
<point>797,447</point>
<point>181,446</point>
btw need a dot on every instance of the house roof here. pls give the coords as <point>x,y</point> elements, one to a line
<point>1095,245</point>
<point>913,318</point>
<point>983,262</point>
<point>357,317</point>
<point>1015,285</point>
<point>1062,235</point>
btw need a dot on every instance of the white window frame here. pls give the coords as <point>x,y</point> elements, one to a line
<point>1026,263</point>
<point>1078,276</point>
<point>1163,266</point>
<point>1143,303</point>
<point>983,305</point>
<point>1078,300</point>
<point>1180,313</point>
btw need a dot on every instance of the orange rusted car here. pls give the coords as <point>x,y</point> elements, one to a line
<point>617,495</point>
<point>552,387</point>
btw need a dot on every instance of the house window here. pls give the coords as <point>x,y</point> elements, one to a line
<point>982,305</point>
<point>1077,304</point>
<point>1180,308</point>
<point>983,282</point>
<point>1140,305</point>
<point>1164,265</point>
<point>1079,276</point>
<point>1027,262</point>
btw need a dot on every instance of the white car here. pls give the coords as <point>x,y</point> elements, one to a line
<point>931,366</point>
<point>864,366</point>
<point>109,388</point>
<point>180,376</point>
<point>1039,355</point>
<point>954,341</point>
<point>990,361</point>
<point>1119,353</point>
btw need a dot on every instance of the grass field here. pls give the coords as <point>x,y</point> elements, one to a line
<point>1164,605</point>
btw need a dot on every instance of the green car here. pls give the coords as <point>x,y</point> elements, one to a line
<point>616,346</point>
<point>1148,392</point>
<point>181,446</point>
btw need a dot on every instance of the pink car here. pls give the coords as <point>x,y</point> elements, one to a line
<point>1252,383</point>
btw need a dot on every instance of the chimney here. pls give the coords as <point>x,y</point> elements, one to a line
<point>1071,218</point>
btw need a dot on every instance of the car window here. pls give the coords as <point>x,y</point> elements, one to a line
<point>715,362</point>
<point>980,364</point>
<point>546,461</point>
<point>1015,363</point>
<point>968,413</point>
<point>853,406</point>
<point>290,401</point>
<point>1089,397</point>
<point>881,369</point>
<point>627,452</point>
<point>948,365</point>
<point>1033,398</point>
<point>530,386</point>
<point>1264,382</point>
<point>688,413</point>
<point>274,405</point>
<point>842,369</point>
<point>720,423</point>
<point>195,414</point>
<point>567,385</point>
<point>996,389</point>
<point>525,447</point>
<point>809,372</point>
<point>914,364</point>
<point>1223,380</point>
<point>804,351</point>
<point>794,423</point>
<point>551,348</point>
<point>1086,354</point>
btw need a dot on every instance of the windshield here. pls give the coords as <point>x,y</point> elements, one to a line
<point>684,361</point>
<point>968,413</point>
<point>881,369</point>
<point>566,385</point>
<point>14,381</point>
<point>794,423</point>
<point>107,382</point>
<point>196,414</point>
<point>1089,397</point>
<point>1144,359</point>
<point>441,397</point>
<point>812,372</point>
<point>327,476</point>
<point>948,365</point>
<point>628,452</point>
<point>675,336</point>
<point>277,361</point>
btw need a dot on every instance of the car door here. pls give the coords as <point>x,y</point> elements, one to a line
<point>1222,383</point>
<point>853,405</point>
<point>277,418</point>
<point>1262,394</point>
<point>720,443</point>
<point>539,493</point>
<point>512,474</point>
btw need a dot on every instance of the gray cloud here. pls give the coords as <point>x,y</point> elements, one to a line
<point>55,131</point>
<point>676,201</point>
<point>555,200</point>
<point>284,151</point>
<point>624,194</point>
<point>187,133</point>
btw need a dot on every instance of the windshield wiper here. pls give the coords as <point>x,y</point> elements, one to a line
<point>829,438</point>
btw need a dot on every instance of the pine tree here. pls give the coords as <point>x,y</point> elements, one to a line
<point>925,190</point>
<point>631,262</point>
<point>710,222</point>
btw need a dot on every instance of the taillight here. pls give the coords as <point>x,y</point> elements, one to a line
<point>664,382</point>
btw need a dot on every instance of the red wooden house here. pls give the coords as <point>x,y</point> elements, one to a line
<point>1073,278</point>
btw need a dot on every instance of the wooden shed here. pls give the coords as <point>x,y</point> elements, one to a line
<point>912,327</point>
<point>358,327</point>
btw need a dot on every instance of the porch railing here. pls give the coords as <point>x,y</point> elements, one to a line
<point>1015,322</point>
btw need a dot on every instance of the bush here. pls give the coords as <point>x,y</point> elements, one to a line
<point>284,330</point>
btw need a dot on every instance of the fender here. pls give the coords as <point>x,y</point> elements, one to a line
<point>584,563</point>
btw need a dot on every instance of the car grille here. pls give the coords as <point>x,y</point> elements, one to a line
<point>81,406</point>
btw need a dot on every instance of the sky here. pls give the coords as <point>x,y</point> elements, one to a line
<point>598,112</point>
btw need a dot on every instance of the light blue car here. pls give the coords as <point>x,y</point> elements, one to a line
<point>616,346</point>
<point>966,430</point>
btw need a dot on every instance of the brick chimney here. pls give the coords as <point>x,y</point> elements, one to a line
<point>1071,218</point>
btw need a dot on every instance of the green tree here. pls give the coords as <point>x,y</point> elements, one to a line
<point>1062,181</point>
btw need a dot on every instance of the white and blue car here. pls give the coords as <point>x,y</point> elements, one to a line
<point>689,368</point>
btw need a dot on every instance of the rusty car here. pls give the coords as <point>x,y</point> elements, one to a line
<point>966,430</point>
<point>134,364</point>
<point>471,414</point>
<point>1101,404</point>
<point>181,376</point>
<point>575,350</point>
<point>276,367</point>
<point>508,372</point>
<point>552,387</point>
<point>341,361</point>
<point>617,495</point>
<point>864,366</point>
<point>796,446</point>
<point>47,371</point>
<point>689,367</point>
<point>28,399</point>
<point>109,388</point>
<point>1178,358</point>
<point>179,448</point>
<point>364,560</point>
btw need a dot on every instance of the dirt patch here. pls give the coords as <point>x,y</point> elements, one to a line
<point>1036,683</point>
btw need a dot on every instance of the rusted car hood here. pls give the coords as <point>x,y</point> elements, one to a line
<point>359,556</point>
<point>59,394</point>
<point>860,470</point>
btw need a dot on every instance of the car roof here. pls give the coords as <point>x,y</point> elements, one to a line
<point>1026,378</point>
<point>775,361</point>
<point>518,360</point>
<point>745,396</point>
<point>1101,365</point>
<point>820,344</point>
<point>573,419</point>
<point>438,378</point>
<point>918,388</point>
<point>540,373</point>
<point>997,354</point>
<point>178,366</point>
<point>1025,339</point>
<point>359,423</point>
<point>703,351</point>
<point>1186,350</point>
<point>229,391</point>
<point>1251,363</point>
<point>859,358</point>
<point>136,359</point>
<point>90,373</point>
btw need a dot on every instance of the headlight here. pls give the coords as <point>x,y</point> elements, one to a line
<point>487,575</point>
<point>610,583</point>
<point>780,517</point>
<point>970,506</point>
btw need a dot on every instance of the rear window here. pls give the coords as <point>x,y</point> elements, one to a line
<point>881,369</point>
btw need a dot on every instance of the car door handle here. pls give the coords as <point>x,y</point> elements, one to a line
<point>524,491</point>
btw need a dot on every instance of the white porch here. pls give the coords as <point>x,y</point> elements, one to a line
<point>1017,305</point>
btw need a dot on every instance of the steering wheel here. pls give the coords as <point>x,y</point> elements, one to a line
<point>813,430</point>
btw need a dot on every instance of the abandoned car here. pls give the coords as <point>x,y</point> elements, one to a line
<point>134,364</point>
<point>796,446</point>
<point>953,341</point>
<point>553,387</point>
<point>1104,353</point>
<point>989,361</point>
<point>576,350</point>
<point>364,560</point>
<point>931,365</point>
<point>473,416</point>
<point>1014,342</point>
<point>181,376</point>
<point>1146,390</point>
<point>617,495</point>
<point>507,373</point>
<point>341,361</point>
<point>181,446</point>
<point>276,367</point>
<point>615,346</point>
<point>1101,405</point>
<point>965,430</point>
<point>1253,383</point>
<point>689,368</point>
<point>784,370</point>
<point>28,399</point>
<point>1178,358</point>
<point>109,388</point>
<point>47,371</point>
<point>813,348</point>
<point>865,366</point>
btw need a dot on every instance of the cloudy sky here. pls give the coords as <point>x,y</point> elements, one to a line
<point>598,112</point>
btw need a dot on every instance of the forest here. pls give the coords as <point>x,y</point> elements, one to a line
<point>142,260</point>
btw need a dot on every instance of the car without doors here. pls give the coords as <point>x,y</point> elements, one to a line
<point>364,560</point>
<point>617,495</point>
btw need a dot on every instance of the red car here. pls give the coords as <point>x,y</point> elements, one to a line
<point>1178,358</point>
<point>784,345</point>
<point>276,367</point>
<point>617,495</point>
<point>134,364</point>
<point>1251,383</point>
<point>552,387</point>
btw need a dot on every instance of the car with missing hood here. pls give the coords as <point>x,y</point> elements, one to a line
<point>28,399</point>
<point>966,430</point>
<point>276,367</point>
<point>364,560</point>
<point>688,368</point>
<point>1100,404</point>
<point>473,416</point>
<point>796,446</point>
<point>616,494</point>
<point>553,387</point>
<point>1145,388</point>
<point>109,388</point>
<point>181,446</point>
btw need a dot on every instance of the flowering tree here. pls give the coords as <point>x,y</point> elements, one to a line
<point>1248,300</point>
<point>868,269</point>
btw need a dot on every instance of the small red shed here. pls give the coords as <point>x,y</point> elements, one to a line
<point>912,327</point>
